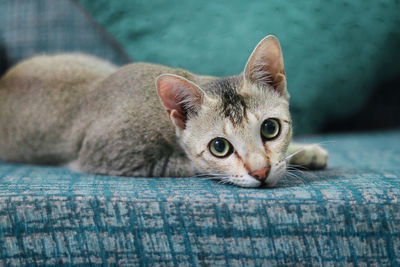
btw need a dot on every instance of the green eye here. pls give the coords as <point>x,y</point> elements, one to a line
<point>220,147</point>
<point>270,129</point>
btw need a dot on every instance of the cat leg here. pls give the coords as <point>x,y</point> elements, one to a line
<point>83,166</point>
<point>310,156</point>
<point>100,156</point>
<point>177,165</point>
<point>109,152</point>
<point>73,166</point>
<point>119,150</point>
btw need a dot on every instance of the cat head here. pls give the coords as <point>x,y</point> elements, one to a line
<point>236,128</point>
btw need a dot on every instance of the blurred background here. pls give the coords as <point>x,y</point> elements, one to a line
<point>341,57</point>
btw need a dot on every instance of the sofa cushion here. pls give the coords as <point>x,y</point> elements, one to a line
<point>45,26</point>
<point>337,53</point>
<point>347,214</point>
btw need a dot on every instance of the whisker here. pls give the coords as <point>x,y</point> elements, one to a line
<point>302,149</point>
<point>305,173</point>
<point>209,174</point>
<point>293,154</point>
<point>297,176</point>
<point>298,167</point>
<point>208,178</point>
<point>319,143</point>
<point>291,174</point>
<point>224,180</point>
<point>326,142</point>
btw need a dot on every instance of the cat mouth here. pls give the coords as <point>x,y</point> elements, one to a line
<point>269,176</point>
<point>261,175</point>
<point>266,177</point>
<point>276,175</point>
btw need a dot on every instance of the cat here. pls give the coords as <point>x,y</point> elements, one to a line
<point>148,120</point>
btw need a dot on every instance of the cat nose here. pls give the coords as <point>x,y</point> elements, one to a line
<point>261,174</point>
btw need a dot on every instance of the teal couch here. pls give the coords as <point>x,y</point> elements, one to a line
<point>346,215</point>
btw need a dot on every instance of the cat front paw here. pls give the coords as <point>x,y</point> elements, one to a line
<point>312,157</point>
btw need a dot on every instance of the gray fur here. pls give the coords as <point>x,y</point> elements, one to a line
<point>69,109</point>
<point>233,105</point>
<point>84,113</point>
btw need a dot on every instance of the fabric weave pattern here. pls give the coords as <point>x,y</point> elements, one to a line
<point>43,26</point>
<point>346,215</point>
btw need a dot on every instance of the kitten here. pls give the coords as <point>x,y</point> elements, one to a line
<point>150,120</point>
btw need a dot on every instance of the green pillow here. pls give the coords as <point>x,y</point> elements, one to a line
<point>336,52</point>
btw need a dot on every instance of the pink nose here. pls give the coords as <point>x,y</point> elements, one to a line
<point>261,174</point>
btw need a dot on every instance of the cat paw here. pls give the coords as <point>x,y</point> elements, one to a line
<point>312,157</point>
<point>73,166</point>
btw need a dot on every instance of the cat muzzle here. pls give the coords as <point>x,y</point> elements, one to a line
<point>261,175</point>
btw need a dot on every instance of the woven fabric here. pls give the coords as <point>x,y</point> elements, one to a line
<point>29,27</point>
<point>346,215</point>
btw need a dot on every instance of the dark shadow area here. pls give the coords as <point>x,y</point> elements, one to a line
<point>3,60</point>
<point>381,112</point>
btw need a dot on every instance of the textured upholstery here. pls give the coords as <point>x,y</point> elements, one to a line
<point>336,52</point>
<point>348,214</point>
<point>29,27</point>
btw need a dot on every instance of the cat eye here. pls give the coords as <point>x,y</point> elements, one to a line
<point>220,147</point>
<point>270,129</point>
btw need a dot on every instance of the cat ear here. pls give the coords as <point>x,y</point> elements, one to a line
<point>265,66</point>
<point>180,97</point>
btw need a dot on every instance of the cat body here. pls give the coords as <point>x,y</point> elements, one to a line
<point>88,109</point>
<point>145,120</point>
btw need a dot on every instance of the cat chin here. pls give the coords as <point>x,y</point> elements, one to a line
<point>271,181</point>
<point>248,181</point>
<point>251,182</point>
<point>245,182</point>
<point>274,178</point>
